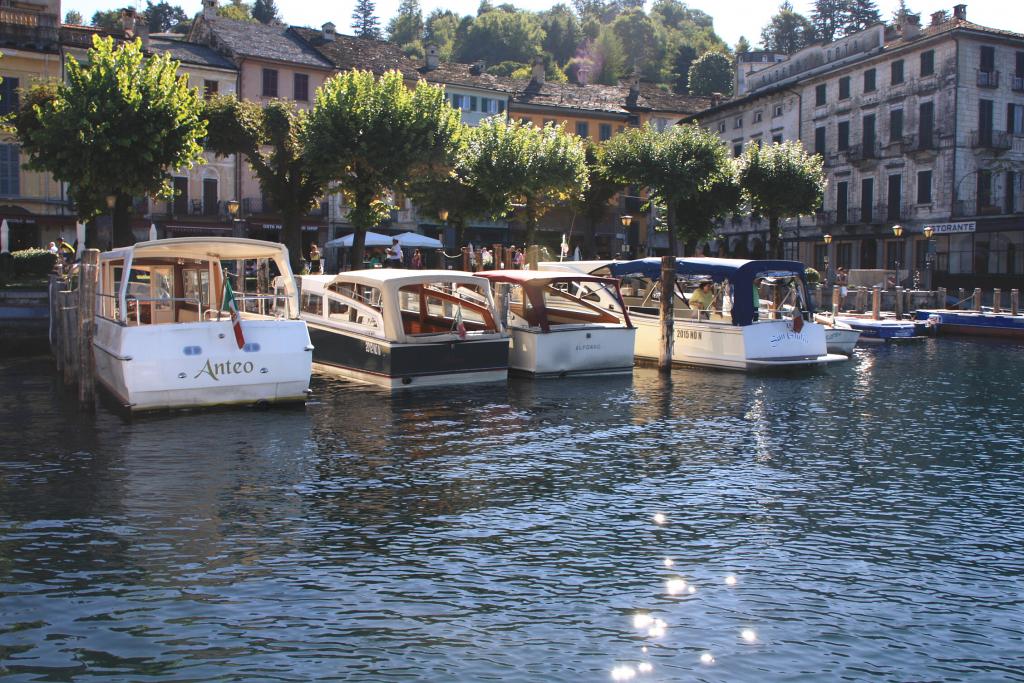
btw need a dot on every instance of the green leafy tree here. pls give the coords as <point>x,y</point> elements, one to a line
<point>711,73</point>
<point>365,23</point>
<point>270,139</point>
<point>162,16</point>
<point>237,10</point>
<point>500,36</point>
<point>117,126</point>
<point>108,20</point>
<point>685,56</point>
<point>742,46</point>
<point>511,162</point>
<point>265,11</point>
<point>901,12</point>
<point>407,25</point>
<point>450,192</point>
<point>860,14</point>
<point>441,29</point>
<point>594,203</point>
<point>74,17</point>
<point>719,195</point>
<point>683,166</point>
<point>788,31</point>
<point>608,58</point>
<point>642,43</point>
<point>781,181</point>
<point>372,135</point>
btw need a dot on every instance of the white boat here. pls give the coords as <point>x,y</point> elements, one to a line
<point>396,327</point>
<point>164,338</point>
<point>558,326</point>
<point>728,334</point>
<point>839,336</point>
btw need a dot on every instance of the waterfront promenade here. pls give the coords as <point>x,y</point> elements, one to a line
<point>869,516</point>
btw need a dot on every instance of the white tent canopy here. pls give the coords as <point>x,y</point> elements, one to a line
<point>373,239</point>
<point>414,239</point>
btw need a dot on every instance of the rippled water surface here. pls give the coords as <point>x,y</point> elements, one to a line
<point>866,522</point>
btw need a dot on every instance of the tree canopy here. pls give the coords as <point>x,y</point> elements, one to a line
<point>117,126</point>
<point>711,73</point>
<point>265,11</point>
<point>365,22</point>
<point>781,181</point>
<point>270,138</point>
<point>162,16</point>
<point>788,32</point>
<point>372,135</point>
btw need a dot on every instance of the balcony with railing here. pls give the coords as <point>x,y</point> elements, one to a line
<point>991,139</point>
<point>988,79</point>
<point>883,213</point>
<point>917,143</point>
<point>1017,84</point>
<point>863,152</point>
<point>21,27</point>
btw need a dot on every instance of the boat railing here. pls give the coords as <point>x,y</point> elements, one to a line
<point>256,303</point>
<point>137,300</point>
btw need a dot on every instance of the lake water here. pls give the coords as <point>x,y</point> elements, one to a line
<point>865,522</point>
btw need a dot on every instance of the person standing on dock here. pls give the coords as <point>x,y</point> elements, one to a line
<point>395,254</point>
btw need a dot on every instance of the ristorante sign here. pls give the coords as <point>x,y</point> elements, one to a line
<point>945,228</point>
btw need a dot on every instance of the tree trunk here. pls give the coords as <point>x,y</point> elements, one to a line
<point>122,234</point>
<point>774,238</point>
<point>291,237</point>
<point>531,222</point>
<point>673,238</point>
<point>590,239</point>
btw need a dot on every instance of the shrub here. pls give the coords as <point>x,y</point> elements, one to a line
<point>33,262</point>
<point>813,276</point>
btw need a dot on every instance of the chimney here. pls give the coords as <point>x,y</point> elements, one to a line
<point>583,73</point>
<point>209,9</point>
<point>960,12</point>
<point>433,56</point>
<point>538,74</point>
<point>938,17</point>
<point>912,26</point>
<point>478,68</point>
<point>716,99</point>
<point>328,32</point>
<point>128,20</point>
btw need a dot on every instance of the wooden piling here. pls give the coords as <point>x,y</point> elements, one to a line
<point>54,322</point>
<point>837,299</point>
<point>499,261</point>
<point>668,290</point>
<point>67,337</point>
<point>977,298</point>
<point>898,303</point>
<point>862,298</point>
<point>997,300</point>
<point>87,279</point>
<point>465,259</point>
<point>960,299</point>
<point>876,302</point>
<point>941,296</point>
<point>1014,301</point>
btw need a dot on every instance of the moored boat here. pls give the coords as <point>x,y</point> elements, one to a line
<point>726,331</point>
<point>984,323</point>
<point>166,337</point>
<point>558,327</point>
<point>839,336</point>
<point>396,327</point>
<point>881,330</point>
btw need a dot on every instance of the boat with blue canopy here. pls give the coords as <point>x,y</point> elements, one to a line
<point>720,323</point>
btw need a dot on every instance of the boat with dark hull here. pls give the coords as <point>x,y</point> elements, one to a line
<point>396,328</point>
<point>983,323</point>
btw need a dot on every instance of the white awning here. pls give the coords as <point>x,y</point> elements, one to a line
<point>414,239</point>
<point>373,239</point>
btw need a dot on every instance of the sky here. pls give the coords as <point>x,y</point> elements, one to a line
<point>733,19</point>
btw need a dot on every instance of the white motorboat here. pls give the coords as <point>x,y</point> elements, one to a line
<point>166,339</point>
<point>728,332</point>
<point>396,327</point>
<point>839,336</point>
<point>559,327</point>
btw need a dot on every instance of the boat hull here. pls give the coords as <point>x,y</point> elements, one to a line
<point>193,365</point>
<point>838,340</point>
<point>975,323</point>
<point>393,365</point>
<point>760,346</point>
<point>883,330</point>
<point>573,350</point>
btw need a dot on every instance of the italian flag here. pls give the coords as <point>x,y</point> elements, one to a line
<point>232,306</point>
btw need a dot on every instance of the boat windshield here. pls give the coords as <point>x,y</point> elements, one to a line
<point>566,302</point>
<point>440,307</point>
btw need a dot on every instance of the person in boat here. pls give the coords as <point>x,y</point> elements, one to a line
<point>703,298</point>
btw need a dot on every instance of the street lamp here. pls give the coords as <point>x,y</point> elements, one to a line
<point>232,205</point>
<point>828,245</point>
<point>929,257</point>
<point>627,220</point>
<point>897,230</point>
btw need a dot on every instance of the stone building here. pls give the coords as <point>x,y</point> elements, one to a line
<point>917,126</point>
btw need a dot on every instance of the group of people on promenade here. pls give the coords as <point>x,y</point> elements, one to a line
<point>394,257</point>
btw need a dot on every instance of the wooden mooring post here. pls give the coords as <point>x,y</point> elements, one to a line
<point>68,324</point>
<point>898,303</point>
<point>997,300</point>
<point>837,297</point>
<point>88,273</point>
<point>941,294</point>
<point>668,296</point>
<point>876,302</point>
<point>960,299</point>
<point>1014,302</point>
<point>862,299</point>
<point>465,259</point>
<point>977,298</point>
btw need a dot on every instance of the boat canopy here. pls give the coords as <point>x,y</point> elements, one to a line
<point>533,283</point>
<point>739,272</point>
<point>202,248</point>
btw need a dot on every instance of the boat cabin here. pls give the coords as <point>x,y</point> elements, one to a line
<point>541,299</point>
<point>184,280</point>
